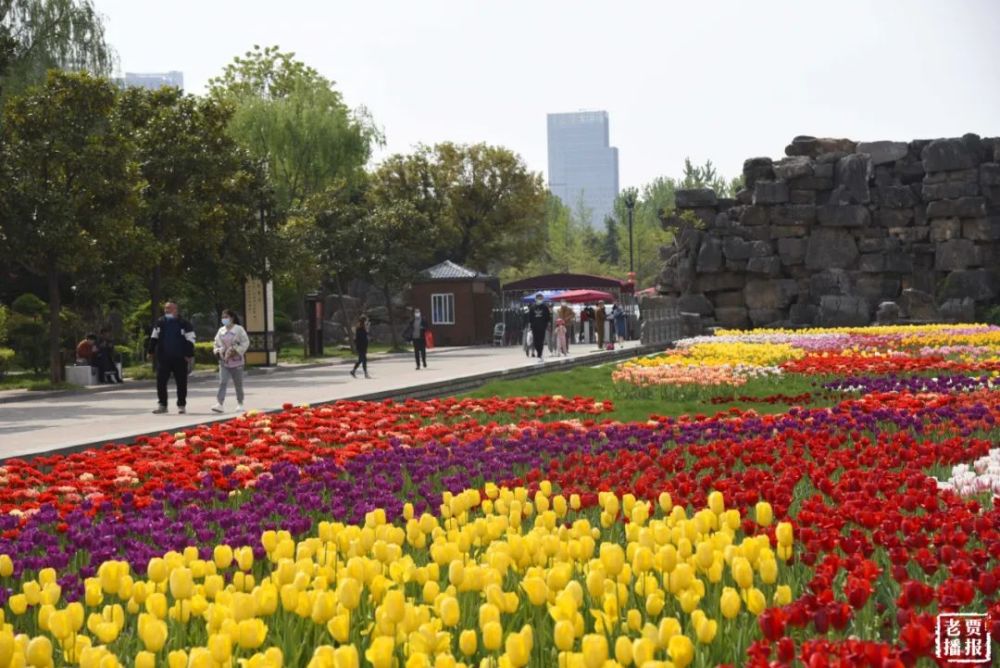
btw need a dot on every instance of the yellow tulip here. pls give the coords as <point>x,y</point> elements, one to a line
<point>380,653</point>
<point>783,595</point>
<point>156,570</point>
<point>492,635</point>
<point>595,650</point>
<point>755,601</point>
<point>518,650</point>
<point>39,652</point>
<point>220,645</point>
<point>181,583</point>
<point>784,534</point>
<point>222,555</point>
<point>467,642</point>
<point>742,572</point>
<point>145,660</point>
<point>681,650</point>
<point>18,604</point>
<point>346,657</point>
<point>177,659</point>
<point>623,650</point>
<point>537,590</point>
<point>349,593</point>
<point>729,603</point>
<point>450,611</point>
<point>768,571</point>
<point>394,605</point>
<point>6,566</point>
<point>763,513</point>
<point>252,633</point>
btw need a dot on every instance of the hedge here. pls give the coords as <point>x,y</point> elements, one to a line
<point>6,360</point>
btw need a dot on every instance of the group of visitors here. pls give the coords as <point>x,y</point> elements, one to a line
<point>171,345</point>
<point>98,352</point>
<point>596,322</point>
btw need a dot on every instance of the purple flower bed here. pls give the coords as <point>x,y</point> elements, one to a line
<point>940,384</point>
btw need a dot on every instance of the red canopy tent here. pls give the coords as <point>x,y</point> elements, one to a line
<point>583,296</point>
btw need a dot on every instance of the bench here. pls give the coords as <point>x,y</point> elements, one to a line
<point>84,375</point>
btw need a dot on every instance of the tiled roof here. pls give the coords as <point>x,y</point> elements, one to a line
<point>449,270</point>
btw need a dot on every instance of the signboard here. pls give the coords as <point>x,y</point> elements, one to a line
<point>258,301</point>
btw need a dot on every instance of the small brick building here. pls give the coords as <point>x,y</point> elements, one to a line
<point>458,303</point>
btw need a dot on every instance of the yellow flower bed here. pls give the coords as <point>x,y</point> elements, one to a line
<point>504,581</point>
<point>723,354</point>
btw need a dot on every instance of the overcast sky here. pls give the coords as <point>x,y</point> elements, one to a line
<point>719,80</point>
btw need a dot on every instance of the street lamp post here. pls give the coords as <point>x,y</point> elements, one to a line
<point>629,197</point>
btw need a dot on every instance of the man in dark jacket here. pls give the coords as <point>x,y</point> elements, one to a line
<point>172,342</point>
<point>416,333</point>
<point>539,318</point>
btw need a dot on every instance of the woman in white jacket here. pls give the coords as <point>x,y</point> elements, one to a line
<point>231,344</point>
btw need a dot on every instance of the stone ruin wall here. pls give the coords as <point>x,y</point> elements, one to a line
<point>843,233</point>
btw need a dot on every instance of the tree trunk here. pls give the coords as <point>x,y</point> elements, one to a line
<point>155,294</point>
<point>343,312</point>
<point>55,359</point>
<point>392,317</point>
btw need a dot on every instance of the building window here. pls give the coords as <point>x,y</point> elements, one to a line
<point>443,309</point>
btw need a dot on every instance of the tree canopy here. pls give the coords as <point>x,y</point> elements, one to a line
<point>39,35</point>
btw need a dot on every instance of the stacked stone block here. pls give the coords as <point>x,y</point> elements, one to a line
<point>841,233</point>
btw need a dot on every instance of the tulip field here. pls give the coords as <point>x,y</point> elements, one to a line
<point>812,497</point>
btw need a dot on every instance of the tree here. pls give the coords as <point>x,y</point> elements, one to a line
<point>39,35</point>
<point>293,118</point>
<point>396,241</point>
<point>71,182</point>
<point>339,241</point>
<point>611,253</point>
<point>706,176</point>
<point>191,170</point>
<point>496,205</point>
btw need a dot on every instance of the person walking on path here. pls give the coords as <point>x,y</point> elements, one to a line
<point>231,344</point>
<point>172,344</point>
<point>600,318</point>
<point>587,324</point>
<point>562,337</point>
<point>619,321</point>
<point>361,344</point>
<point>539,319</point>
<point>568,316</point>
<point>416,332</point>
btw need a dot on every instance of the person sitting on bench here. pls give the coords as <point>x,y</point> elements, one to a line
<point>107,369</point>
<point>86,351</point>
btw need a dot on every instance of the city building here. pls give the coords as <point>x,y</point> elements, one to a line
<point>154,80</point>
<point>582,163</point>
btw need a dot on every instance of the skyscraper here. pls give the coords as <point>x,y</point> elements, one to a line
<point>582,163</point>
<point>154,80</point>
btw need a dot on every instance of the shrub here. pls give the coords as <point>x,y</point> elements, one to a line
<point>203,353</point>
<point>126,355</point>
<point>30,306</point>
<point>6,361</point>
<point>29,338</point>
<point>991,315</point>
<point>4,319</point>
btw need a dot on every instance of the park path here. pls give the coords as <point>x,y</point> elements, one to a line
<point>72,419</point>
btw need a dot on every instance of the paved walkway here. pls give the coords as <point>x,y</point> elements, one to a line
<point>41,425</point>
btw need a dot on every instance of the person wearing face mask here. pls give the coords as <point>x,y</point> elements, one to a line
<point>539,319</point>
<point>416,332</point>
<point>231,344</point>
<point>172,343</point>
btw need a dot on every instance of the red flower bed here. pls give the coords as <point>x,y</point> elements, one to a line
<point>245,447</point>
<point>846,364</point>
